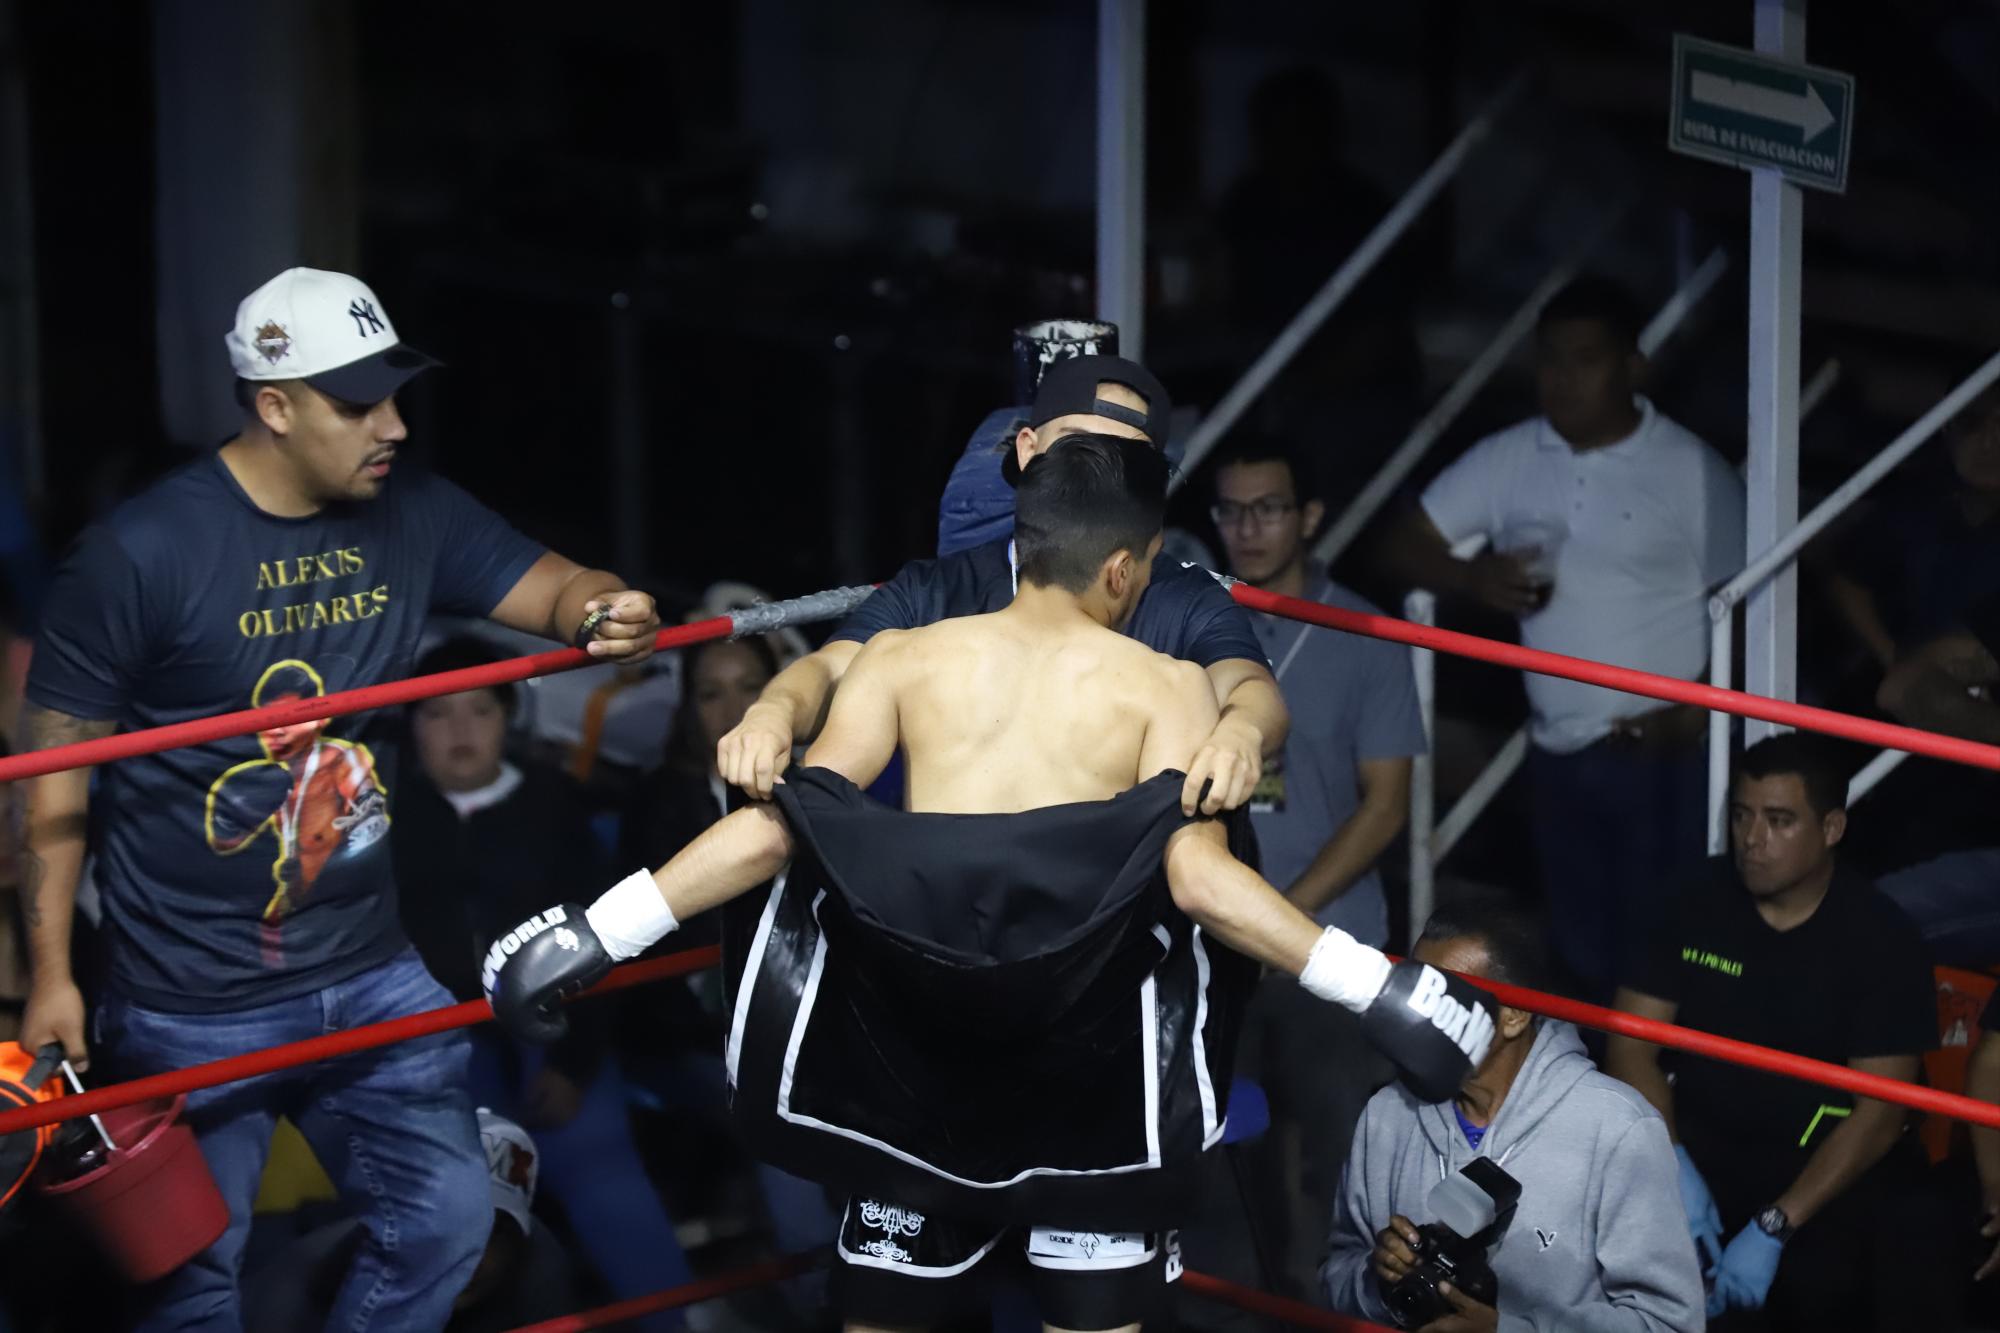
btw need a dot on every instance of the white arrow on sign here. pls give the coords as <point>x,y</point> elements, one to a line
<point>1807,113</point>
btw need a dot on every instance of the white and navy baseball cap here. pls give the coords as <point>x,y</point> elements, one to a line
<point>326,329</point>
<point>513,1165</point>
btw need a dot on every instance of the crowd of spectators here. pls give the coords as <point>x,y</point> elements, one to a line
<point>1660,1191</point>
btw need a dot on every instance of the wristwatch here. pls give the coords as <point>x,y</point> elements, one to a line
<point>1773,1223</point>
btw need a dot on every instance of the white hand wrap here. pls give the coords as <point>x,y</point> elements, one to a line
<point>631,916</point>
<point>1342,969</point>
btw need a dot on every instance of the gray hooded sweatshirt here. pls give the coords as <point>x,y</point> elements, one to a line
<point>1599,1242</point>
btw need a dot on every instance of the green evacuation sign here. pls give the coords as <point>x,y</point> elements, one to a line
<point>1749,110</point>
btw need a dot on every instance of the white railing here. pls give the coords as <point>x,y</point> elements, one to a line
<point>1420,608</point>
<point>1722,606</point>
<point>1428,431</point>
<point>1343,282</point>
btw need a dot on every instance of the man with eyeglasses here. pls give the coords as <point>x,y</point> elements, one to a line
<point>1328,804</point>
<point>1184,612</point>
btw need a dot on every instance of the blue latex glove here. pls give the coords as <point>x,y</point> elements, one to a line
<point>1743,1278</point>
<point>1704,1222</point>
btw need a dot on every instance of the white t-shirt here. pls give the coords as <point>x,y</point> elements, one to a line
<point>1653,522</point>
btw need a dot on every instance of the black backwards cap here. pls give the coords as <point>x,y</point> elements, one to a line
<point>1069,388</point>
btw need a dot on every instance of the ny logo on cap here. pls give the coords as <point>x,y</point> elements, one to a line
<point>366,321</point>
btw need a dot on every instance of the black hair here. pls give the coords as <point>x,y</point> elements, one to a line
<point>1253,448</point>
<point>1083,499</point>
<point>1812,758</point>
<point>463,651</point>
<point>1599,299</point>
<point>1516,945</point>
<point>686,748</point>
<point>289,679</point>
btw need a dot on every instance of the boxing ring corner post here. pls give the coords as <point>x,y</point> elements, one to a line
<point>1420,608</point>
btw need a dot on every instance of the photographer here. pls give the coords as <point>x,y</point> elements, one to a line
<point>1596,1239</point>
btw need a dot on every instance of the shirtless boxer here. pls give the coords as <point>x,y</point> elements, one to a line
<point>1185,612</point>
<point>1034,736</point>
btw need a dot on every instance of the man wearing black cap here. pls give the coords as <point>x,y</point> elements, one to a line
<point>249,902</point>
<point>1184,613</point>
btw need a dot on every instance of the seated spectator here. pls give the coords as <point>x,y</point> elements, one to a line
<point>1605,527</point>
<point>672,1033</point>
<point>1908,575</point>
<point>524,1276</point>
<point>1595,1241</point>
<point>686,794</point>
<point>477,841</point>
<point>669,810</point>
<point>1328,805</point>
<point>1798,1196</point>
<point>1947,685</point>
<point>1908,572</point>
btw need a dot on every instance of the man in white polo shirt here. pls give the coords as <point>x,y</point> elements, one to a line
<point>1605,526</point>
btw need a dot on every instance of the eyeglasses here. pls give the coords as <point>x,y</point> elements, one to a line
<point>1261,513</point>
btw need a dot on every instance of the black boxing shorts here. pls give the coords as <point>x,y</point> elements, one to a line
<point>895,1267</point>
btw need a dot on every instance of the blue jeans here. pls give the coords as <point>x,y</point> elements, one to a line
<point>1616,826</point>
<point>1955,901</point>
<point>393,1127</point>
<point>592,1166</point>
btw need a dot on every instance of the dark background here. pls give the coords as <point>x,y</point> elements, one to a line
<point>808,229</point>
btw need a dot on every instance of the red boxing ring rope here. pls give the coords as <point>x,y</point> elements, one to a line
<point>673,1298</point>
<point>1382,627</point>
<point>1229,1293</point>
<point>151,740</point>
<point>1884,734</point>
<point>253,1063</point>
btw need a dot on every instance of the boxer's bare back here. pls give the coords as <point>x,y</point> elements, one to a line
<point>1034,705</point>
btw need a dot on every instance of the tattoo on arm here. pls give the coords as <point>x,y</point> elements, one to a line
<point>45,729</point>
<point>31,889</point>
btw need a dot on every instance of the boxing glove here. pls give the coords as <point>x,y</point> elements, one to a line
<point>565,949</point>
<point>1435,1027</point>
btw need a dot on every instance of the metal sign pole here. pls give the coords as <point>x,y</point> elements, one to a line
<point>1772,470</point>
<point>1121,171</point>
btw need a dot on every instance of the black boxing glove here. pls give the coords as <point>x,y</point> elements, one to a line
<point>1434,1026</point>
<point>565,949</point>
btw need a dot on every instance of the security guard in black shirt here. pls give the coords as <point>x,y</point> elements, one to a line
<point>1787,1183</point>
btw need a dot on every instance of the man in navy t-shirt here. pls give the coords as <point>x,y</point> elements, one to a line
<point>1184,613</point>
<point>246,884</point>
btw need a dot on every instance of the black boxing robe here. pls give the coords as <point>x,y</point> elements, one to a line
<point>1000,1018</point>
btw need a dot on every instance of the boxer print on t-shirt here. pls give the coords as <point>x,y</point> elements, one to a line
<point>247,870</point>
<point>306,800</point>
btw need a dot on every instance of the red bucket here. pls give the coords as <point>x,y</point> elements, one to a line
<point>152,1203</point>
